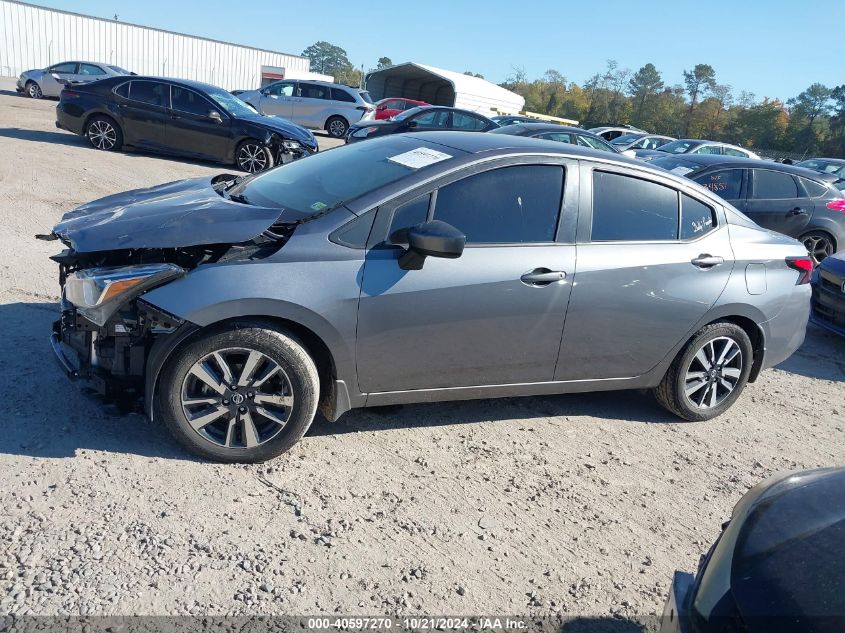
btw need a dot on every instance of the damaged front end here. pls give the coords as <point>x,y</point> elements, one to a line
<point>107,332</point>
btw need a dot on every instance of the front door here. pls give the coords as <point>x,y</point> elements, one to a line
<point>145,114</point>
<point>774,202</point>
<point>651,263</point>
<point>277,99</point>
<point>55,76</point>
<point>490,317</point>
<point>190,131</point>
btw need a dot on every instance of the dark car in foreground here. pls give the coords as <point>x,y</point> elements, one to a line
<point>798,202</point>
<point>828,304</point>
<point>559,133</point>
<point>777,566</point>
<point>183,118</point>
<point>422,119</point>
<point>419,268</point>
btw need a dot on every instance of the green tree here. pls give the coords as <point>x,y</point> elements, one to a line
<point>383,62</point>
<point>698,81</point>
<point>329,59</point>
<point>805,111</point>
<point>643,87</point>
<point>472,74</point>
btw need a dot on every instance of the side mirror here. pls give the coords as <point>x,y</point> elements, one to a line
<point>431,239</point>
<point>412,124</point>
<point>214,115</point>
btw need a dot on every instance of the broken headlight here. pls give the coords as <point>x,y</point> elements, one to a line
<point>97,293</point>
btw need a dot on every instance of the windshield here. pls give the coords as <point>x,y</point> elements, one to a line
<point>229,102</point>
<point>120,70</point>
<point>625,139</point>
<point>365,96</point>
<point>678,147</point>
<point>328,179</point>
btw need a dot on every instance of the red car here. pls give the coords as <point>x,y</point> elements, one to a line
<point>392,106</point>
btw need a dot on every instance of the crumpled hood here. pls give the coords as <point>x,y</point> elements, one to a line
<point>173,215</point>
<point>284,127</point>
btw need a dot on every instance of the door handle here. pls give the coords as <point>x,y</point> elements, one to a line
<point>797,211</point>
<point>542,277</point>
<point>707,261</point>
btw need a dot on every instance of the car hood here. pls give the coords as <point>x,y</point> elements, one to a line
<point>281,126</point>
<point>174,215</point>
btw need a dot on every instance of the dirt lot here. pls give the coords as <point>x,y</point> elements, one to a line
<point>580,505</point>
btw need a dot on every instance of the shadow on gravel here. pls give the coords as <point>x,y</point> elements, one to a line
<point>40,136</point>
<point>822,356</point>
<point>601,625</point>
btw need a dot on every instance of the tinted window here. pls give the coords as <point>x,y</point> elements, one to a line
<point>67,68</point>
<point>560,137</point>
<point>697,218</point>
<point>409,214</point>
<point>630,209</point>
<point>678,147</point>
<point>730,151</point>
<point>151,92</point>
<point>509,205</point>
<point>338,94</point>
<point>432,118</point>
<point>122,90</point>
<point>313,91</point>
<point>814,189</point>
<point>281,89</point>
<point>90,69</point>
<point>725,184</point>
<point>773,184</point>
<point>595,143</point>
<point>707,149</point>
<point>365,96</point>
<point>119,70</point>
<point>189,101</point>
<point>464,121</point>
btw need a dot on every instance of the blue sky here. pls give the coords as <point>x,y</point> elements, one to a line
<point>773,48</point>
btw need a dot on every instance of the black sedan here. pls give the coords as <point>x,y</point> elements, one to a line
<point>777,566</point>
<point>798,202</point>
<point>184,118</point>
<point>422,119</point>
<point>560,133</point>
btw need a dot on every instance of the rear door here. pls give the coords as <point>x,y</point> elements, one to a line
<point>729,184</point>
<point>642,282</point>
<point>277,99</point>
<point>190,131</point>
<point>478,319</point>
<point>774,202</point>
<point>310,104</point>
<point>145,114</point>
<point>430,120</point>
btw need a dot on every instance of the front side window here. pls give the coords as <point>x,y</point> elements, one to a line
<point>188,101</point>
<point>463,121</point>
<point>632,210</point>
<point>510,205</point>
<point>697,218</point>
<point>151,92</point>
<point>770,185</point>
<point>68,68</point>
<point>90,70</point>
<point>281,89</point>
<point>726,183</point>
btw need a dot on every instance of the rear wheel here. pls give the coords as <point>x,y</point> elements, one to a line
<point>709,374</point>
<point>337,127</point>
<point>253,156</point>
<point>819,245</point>
<point>33,90</point>
<point>103,133</point>
<point>246,394</point>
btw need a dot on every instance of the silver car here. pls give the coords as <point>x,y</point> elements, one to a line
<point>419,267</point>
<point>317,105</point>
<point>49,82</point>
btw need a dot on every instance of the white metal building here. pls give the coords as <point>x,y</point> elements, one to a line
<point>36,37</point>
<point>442,87</point>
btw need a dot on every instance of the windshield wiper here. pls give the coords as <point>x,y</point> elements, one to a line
<point>239,197</point>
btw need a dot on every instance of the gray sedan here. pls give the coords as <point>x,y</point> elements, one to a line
<point>49,82</point>
<point>418,268</point>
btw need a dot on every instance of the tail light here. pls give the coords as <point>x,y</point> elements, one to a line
<point>803,265</point>
<point>836,205</point>
<point>69,94</point>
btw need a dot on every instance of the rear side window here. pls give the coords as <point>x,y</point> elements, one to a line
<point>773,185</point>
<point>630,209</point>
<point>814,189</point>
<point>726,183</point>
<point>338,94</point>
<point>122,90</point>
<point>151,92</point>
<point>697,218</point>
<point>463,121</point>
<point>90,70</point>
<point>518,204</point>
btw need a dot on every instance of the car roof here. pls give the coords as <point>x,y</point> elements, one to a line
<point>429,106</point>
<point>709,160</point>
<point>198,85</point>
<point>545,127</point>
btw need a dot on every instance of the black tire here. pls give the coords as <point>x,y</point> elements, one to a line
<point>225,439</point>
<point>672,391</point>
<point>253,156</point>
<point>33,90</point>
<point>104,133</point>
<point>819,245</point>
<point>337,127</point>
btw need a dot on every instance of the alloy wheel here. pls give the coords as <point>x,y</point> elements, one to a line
<point>35,91</point>
<point>252,158</point>
<point>713,373</point>
<point>237,398</point>
<point>102,134</point>
<point>337,128</point>
<point>818,247</point>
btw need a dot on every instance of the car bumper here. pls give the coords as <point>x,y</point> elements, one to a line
<point>676,617</point>
<point>68,121</point>
<point>785,333</point>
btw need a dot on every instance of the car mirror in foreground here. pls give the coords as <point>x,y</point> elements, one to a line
<point>214,115</point>
<point>411,125</point>
<point>431,239</point>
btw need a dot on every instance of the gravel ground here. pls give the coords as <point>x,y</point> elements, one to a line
<point>578,505</point>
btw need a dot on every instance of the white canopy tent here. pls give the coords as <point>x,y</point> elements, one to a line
<point>438,86</point>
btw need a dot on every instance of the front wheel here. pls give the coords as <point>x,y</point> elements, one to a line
<point>337,127</point>
<point>253,156</point>
<point>246,394</point>
<point>709,374</point>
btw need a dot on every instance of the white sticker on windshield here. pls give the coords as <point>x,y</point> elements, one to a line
<point>417,158</point>
<point>681,171</point>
